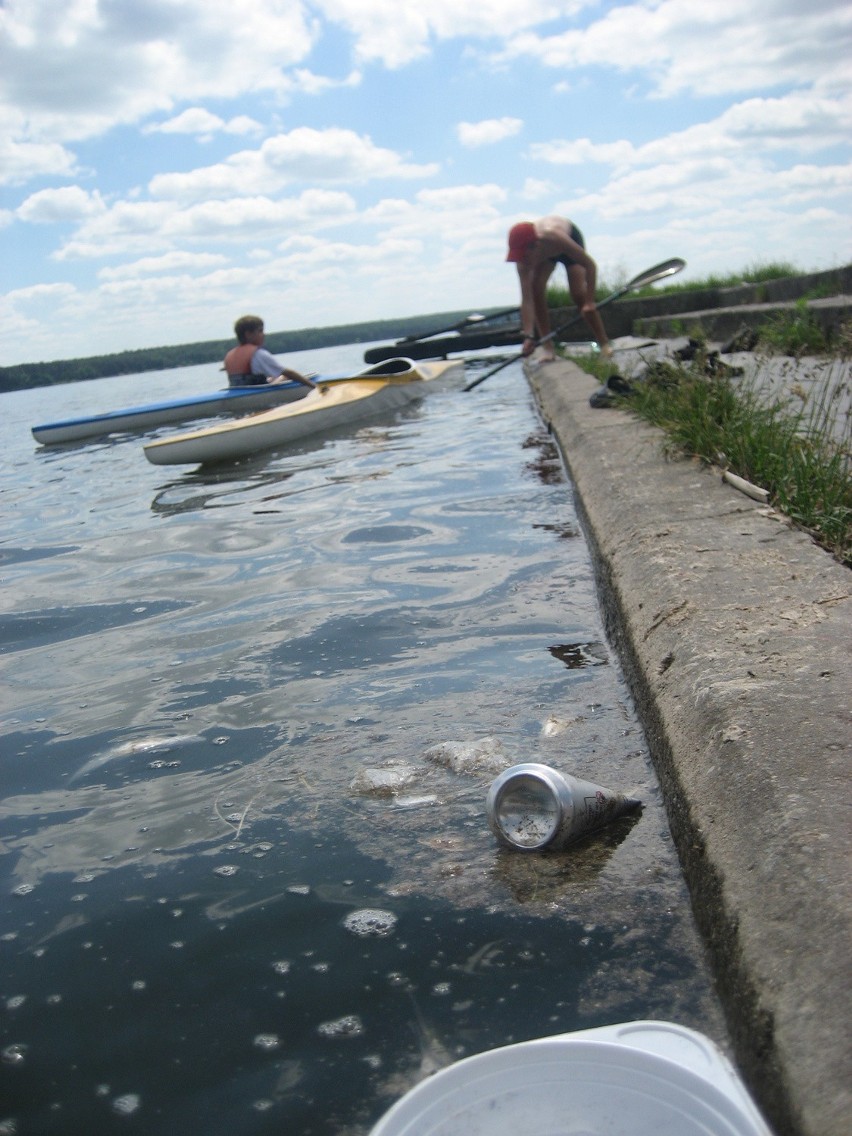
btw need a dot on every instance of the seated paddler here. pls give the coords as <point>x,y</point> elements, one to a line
<point>250,364</point>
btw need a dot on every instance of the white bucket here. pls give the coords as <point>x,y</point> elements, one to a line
<point>637,1079</point>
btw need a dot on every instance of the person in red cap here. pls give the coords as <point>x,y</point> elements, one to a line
<point>536,247</point>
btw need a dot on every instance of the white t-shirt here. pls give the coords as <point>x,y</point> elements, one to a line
<point>262,363</point>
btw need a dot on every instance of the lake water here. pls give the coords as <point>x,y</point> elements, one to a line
<point>249,720</point>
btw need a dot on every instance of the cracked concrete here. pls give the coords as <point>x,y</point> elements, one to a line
<point>734,630</point>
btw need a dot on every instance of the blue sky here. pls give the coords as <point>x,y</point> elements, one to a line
<point>168,165</point>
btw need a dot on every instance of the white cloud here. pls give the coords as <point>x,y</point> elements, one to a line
<point>800,121</point>
<point>36,293</point>
<point>308,83</point>
<point>169,262</point>
<point>20,162</point>
<point>706,49</point>
<point>487,131</point>
<point>67,203</point>
<point>395,34</point>
<point>72,70</point>
<point>204,124</point>
<point>138,228</point>
<point>305,154</point>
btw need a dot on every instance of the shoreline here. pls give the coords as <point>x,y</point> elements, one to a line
<point>733,629</point>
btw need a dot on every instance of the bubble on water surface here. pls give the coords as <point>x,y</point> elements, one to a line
<point>126,1104</point>
<point>299,889</point>
<point>226,870</point>
<point>268,1041</point>
<point>370,921</point>
<point>14,1054</point>
<point>348,1026</point>
<point>16,1001</point>
<point>282,966</point>
<point>23,889</point>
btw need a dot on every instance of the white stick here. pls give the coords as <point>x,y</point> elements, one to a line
<point>753,491</point>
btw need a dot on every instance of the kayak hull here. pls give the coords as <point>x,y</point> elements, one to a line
<point>238,400</point>
<point>331,405</point>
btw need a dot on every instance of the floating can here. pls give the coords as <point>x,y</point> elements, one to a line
<point>532,807</point>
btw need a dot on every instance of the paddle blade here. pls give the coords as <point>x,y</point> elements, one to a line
<point>658,272</point>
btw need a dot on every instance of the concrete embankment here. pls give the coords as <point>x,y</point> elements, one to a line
<point>735,630</point>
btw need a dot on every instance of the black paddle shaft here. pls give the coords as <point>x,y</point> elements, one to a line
<point>649,276</point>
<point>458,326</point>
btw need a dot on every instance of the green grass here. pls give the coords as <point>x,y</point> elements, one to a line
<point>794,332</point>
<point>787,446</point>
<point>558,297</point>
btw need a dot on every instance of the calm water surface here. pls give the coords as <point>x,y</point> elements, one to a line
<point>250,717</point>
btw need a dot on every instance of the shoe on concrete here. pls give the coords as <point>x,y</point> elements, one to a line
<point>602,398</point>
<point>618,385</point>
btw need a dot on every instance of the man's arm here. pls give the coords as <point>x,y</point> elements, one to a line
<point>293,376</point>
<point>264,363</point>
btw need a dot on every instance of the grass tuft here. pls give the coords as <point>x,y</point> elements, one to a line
<point>788,446</point>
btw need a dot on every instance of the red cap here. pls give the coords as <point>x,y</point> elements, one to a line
<point>521,238</point>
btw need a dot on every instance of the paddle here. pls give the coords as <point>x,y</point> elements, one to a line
<point>649,276</point>
<point>474,317</point>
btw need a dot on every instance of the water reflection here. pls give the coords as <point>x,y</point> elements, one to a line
<point>340,646</point>
<point>548,877</point>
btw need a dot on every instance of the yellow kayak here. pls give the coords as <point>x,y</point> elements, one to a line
<point>332,404</point>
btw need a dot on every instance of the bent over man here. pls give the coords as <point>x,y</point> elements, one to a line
<point>536,247</point>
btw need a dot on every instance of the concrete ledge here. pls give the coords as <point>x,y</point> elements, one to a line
<point>723,323</point>
<point>734,630</point>
<point>639,313</point>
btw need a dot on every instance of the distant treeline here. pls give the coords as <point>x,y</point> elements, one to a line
<point>25,375</point>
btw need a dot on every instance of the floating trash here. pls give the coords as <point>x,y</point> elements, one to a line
<point>481,756</point>
<point>384,781</point>
<point>532,807</point>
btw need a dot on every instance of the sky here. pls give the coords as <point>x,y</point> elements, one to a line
<point>169,165</point>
